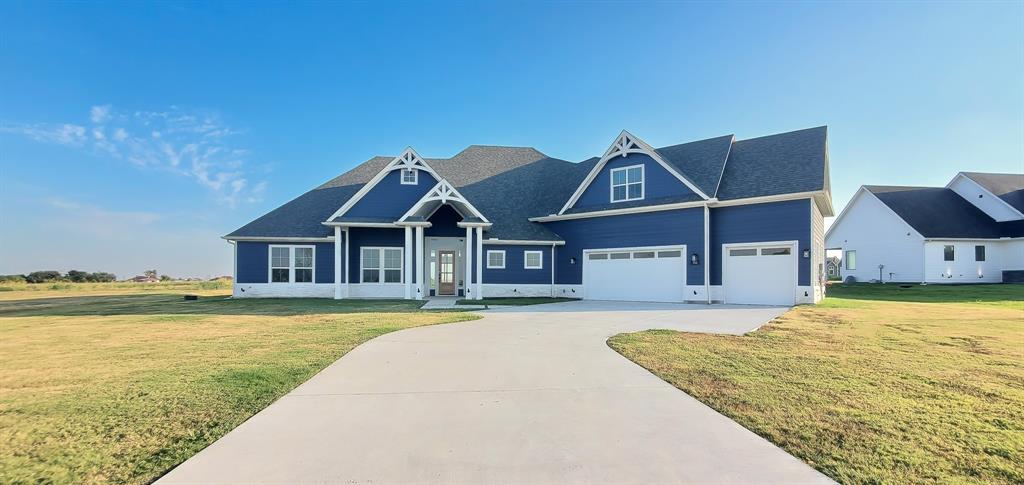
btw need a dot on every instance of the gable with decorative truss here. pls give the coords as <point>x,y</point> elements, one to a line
<point>441,194</point>
<point>388,195</point>
<point>661,181</point>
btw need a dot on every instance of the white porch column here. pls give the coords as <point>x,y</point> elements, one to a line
<point>408,262</point>
<point>420,288</point>
<point>480,263</point>
<point>337,262</point>
<point>348,269</point>
<point>469,264</point>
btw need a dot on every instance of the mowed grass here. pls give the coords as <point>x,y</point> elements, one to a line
<point>121,388</point>
<point>868,388</point>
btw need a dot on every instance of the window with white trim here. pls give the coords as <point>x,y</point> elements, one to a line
<point>410,176</point>
<point>291,264</point>
<point>627,183</point>
<point>533,259</point>
<point>380,265</point>
<point>948,253</point>
<point>851,260</point>
<point>496,259</point>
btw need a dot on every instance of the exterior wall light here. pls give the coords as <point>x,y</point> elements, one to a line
<point>694,259</point>
<point>572,260</point>
<point>807,253</point>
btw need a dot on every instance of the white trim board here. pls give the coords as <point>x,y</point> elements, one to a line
<point>625,144</point>
<point>681,205</point>
<point>409,159</point>
<point>444,193</point>
<point>987,192</point>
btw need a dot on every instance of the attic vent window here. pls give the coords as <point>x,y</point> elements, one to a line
<point>409,176</point>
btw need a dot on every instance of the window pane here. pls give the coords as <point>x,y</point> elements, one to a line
<point>620,255</point>
<point>947,253</point>
<point>371,276</point>
<point>619,192</point>
<point>669,254</point>
<point>279,258</point>
<point>495,259</point>
<point>392,276</point>
<point>303,257</point>
<point>979,253</point>
<point>598,256</point>
<point>635,191</point>
<point>371,258</point>
<point>742,252</point>
<point>279,275</point>
<point>303,276</point>
<point>393,259</point>
<point>533,259</point>
<point>618,177</point>
<point>643,255</point>
<point>635,175</point>
<point>774,251</point>
<point>851,260</point>
<point>409,176</point>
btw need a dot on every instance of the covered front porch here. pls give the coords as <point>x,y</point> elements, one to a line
<point>433,250</point>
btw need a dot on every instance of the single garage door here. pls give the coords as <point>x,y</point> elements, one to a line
<point>759,275</point>
<point>642,274</point>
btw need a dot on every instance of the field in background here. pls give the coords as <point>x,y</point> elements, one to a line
<point>119,382</point>
<point>877,384</point>
<point>16,291</point>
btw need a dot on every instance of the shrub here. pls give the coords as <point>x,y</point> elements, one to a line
<point>42,276</point>
<point>12,278</point>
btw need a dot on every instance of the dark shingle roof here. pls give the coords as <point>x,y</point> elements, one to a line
<point>786,163</point>
<point>1006,186</point>
<point>302,216</point>
<point>700,161</point>
<point>937,212</point>
<point>511,184</point>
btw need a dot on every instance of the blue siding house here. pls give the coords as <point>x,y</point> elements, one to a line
<point>708,221</point>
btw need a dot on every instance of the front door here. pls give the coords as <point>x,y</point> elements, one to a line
<point>446,273</point>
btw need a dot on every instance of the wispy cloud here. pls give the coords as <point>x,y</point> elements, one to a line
<point>96,221</point>
<point>190,143</point>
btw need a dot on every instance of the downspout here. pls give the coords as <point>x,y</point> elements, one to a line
<point>707,253</point>
<point>552,270</point>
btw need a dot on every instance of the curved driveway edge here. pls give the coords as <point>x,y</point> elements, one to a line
<point>524,395</point>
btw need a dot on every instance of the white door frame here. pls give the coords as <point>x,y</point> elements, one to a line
<point>795,245</point>
<point>680,247</point>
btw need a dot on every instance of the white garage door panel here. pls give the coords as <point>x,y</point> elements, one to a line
<point>632,275</point>
<point>759,275</point>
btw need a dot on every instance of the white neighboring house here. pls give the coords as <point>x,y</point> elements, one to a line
<point>970,231</point>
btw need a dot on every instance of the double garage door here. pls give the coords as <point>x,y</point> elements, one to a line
<point>755,274</point>
<point>641,274</point>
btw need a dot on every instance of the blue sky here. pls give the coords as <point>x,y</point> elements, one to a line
<point>132,136</point>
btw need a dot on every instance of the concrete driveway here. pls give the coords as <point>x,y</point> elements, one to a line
<point>525,395</point>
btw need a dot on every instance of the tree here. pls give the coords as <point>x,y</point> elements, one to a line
<point>42,276</point>
<point>77,276</point>
<point>102,277</point>
<point>12,278</point>
<point>164,277</point>
<point>151,273</point>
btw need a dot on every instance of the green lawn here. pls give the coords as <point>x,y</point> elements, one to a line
<point>515,301</point>
<point>878,384</point>
<point>122,387</point>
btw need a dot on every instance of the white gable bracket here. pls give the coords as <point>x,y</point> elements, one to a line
<point>409,159</point>
<point>444,193</point>
<point>625,144</point>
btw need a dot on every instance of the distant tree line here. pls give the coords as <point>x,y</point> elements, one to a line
<point>73,276</point>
